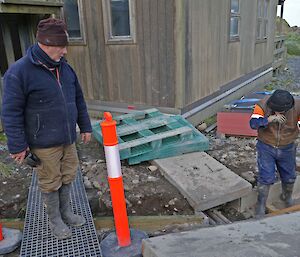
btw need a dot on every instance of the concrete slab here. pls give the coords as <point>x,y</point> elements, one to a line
<point>204,181</point>
<point>271,237</point>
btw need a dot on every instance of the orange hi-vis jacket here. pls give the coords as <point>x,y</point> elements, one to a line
<point>275,134</point>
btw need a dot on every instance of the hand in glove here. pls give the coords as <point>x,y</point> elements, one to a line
<point>280,118</point>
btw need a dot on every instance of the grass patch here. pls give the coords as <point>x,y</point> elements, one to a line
<point>269,87</point>
<point>210,120</point>
<point>3,138</point>
<point>293,43</point>
<point>5,170</point>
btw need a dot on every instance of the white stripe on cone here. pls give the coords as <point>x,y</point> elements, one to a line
<point>113,163</point>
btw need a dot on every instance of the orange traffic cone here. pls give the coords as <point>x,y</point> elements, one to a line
<point>1,233</point>
<point>125,242</point>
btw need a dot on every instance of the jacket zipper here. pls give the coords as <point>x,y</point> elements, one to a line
<point>38,126</point>
<point>60,88</point>
<point>278,134</point>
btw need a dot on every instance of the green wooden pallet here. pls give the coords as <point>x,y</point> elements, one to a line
<point>149,134</point>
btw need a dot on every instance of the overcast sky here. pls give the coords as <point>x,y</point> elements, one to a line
<point>291,12</point>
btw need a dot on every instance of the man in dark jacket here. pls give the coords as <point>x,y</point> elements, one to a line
<point>42,103</point>
<point>276,118</point>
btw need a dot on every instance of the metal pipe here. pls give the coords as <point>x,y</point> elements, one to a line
<point>215,218</point>
<point>222,217</point>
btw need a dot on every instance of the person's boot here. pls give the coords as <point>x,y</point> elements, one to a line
<point>59,229</point>
<point>66,210</point>
<point>286,195</point>
<point>263,192</point>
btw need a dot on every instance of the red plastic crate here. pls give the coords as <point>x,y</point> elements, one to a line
<point>235,123</point>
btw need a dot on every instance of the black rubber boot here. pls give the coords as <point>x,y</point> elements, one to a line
<point>263,192</point>
<point>66,210</point>
<point>286,195</point>
<point>59,229</point>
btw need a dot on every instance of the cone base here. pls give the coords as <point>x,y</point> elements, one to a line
<point>110,248</point>
<point>11,241</point>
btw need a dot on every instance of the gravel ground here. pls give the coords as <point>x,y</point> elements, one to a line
<point>147,191</point>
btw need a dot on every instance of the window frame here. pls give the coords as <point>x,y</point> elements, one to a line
<point>237,15</point>
<point>262,21</point>
<point>82,39</point>
<point>109,38</point>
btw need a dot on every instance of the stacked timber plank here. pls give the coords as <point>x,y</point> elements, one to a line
<point>150,134</point>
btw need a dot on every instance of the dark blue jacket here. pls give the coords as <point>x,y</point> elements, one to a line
<point>38,109</point>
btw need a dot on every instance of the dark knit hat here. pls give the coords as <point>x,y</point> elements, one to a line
<point>281,101</point>
<point>52,32</point>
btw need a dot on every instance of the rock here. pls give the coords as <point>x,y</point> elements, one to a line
<point>233,139</point>
<point>202,126</point>
<point>94,168</point>
<point>152,168</point>
<point>248,148</point>
<point>88,184</point>
<point>135,181</point>
<point>100,161</point>
<point>128,203</point>
<point>127,187</point>
<point>249,176</point>
<point>96,185</point>
<point>152,179</point>
<point>172,201</point>
<point>218,141</point>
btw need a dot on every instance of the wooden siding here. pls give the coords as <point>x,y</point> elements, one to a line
<point>211,60</point>
<point>140,73</point>
<point>182,52</point>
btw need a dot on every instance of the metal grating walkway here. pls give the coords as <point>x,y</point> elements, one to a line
<point>37,237</point>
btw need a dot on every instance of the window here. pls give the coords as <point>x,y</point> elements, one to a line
<point>72,14</point>
<point>262,19</point>
<point>119,22</point>
<point>234,20</point>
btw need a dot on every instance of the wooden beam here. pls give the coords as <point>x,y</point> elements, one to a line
<point>35,2</point>
<point>179,40</point>
<point>285,211</point>
<point>8,46</point>
<point>145,223</point>
<point>29,9</point>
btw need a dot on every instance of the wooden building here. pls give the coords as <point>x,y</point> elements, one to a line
<point>182,56</point>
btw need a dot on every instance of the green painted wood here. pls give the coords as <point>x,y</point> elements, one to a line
<point>149,134</point>
<point>165,151</point>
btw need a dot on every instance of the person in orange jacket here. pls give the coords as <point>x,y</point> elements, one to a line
<point>276,119</point>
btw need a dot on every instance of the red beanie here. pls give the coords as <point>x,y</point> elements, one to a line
<point>52,32</point>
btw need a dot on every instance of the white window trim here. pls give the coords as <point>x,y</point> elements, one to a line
<point>262,20</point>
<point>109,38</point>
<point>234,38</point>
<point>79,40</point>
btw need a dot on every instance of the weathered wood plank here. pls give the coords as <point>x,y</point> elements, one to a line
<point>29,9</point>
<point>141,53</point>
<point>154,52</point>
<point>7,40</point>
<point>35,2</point>
<point>145,223</point>
<point>179,52</point>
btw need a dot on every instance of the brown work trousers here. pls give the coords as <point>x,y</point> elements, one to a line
<point>58,166</point>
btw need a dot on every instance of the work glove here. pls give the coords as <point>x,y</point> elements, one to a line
<point>280,118</point>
